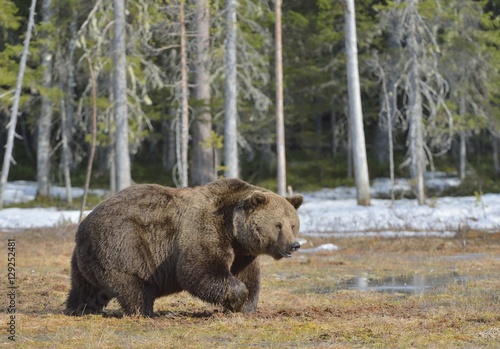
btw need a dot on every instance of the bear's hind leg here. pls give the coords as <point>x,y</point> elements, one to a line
<point>82,303</point>
<point>135,296</point>
<point>83,297</point>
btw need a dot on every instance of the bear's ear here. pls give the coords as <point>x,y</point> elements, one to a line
<point>296,200</point>
<point>258,198</point>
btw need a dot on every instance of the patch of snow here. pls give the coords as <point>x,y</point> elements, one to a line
<point>324,247</point>
<point>404,217</point>
<point>22,218</point>
<point>24,191</point>
<point>327,212</point>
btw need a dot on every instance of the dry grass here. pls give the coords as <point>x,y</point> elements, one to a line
<point>303,301</point>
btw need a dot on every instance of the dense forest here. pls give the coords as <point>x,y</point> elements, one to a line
<point>181,92</point>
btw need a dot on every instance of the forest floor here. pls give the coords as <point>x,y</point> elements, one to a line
<point>372,293</point>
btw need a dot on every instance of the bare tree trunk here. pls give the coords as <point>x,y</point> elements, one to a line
<point>390,108</point>
<point>93,142</point>
<point>170,129</point>
<point>349,146</point>
<point>280,122</point>
<point>168,144</point>
<point>355,111</point>
<point>66,152</point>
<point>335,146</point>
<point>7,157</point>
<point>123,176</point>
<point>416,137</point>
<point>67,110</point>
<point>203,153</point>
<point>391,149</point>
<point>496,163</point>
<point>231,117</point>
<point>113,187</point>
<point>390,96</point>
<point>44,122</point>
<point>417,153</point>
<point>463,142</point>
<point>184,104</point>
<point>463,155</point>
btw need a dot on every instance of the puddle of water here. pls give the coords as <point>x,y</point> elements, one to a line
<point>464,256</point>
<point>415,284</point>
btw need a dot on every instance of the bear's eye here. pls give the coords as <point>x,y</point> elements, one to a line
<point>279,226</point>
<point>293,227</point>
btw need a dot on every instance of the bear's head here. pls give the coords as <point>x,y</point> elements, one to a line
<point>267,223</point>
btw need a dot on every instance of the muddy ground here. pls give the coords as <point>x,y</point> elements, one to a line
<point>372,293</point>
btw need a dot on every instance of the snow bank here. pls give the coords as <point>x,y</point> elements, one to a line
<point>21,218</point>
<point>324,212</point>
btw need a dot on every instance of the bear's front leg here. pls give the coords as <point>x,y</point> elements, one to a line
<point>247,270</point>
<point>213,283</point>
<point>236,297</point>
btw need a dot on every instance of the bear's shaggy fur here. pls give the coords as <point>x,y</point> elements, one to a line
<point>149,241</point>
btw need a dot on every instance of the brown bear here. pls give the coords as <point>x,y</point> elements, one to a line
<point>149,241</point>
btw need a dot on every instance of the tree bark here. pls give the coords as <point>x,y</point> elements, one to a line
<point>280,122</point>
<point>390,108</point>
<point>390,117</point>
<point>496,162</point>
<point>381,141</point>
<point>93,142</point>
<point>184,104</point>
<point>333,121</point>
<point>168,153</point>
<point>463,155</point>
<point>231,113</point>
<point>7,158</point>
<point>355,111</point>
<point>44,122</point>
<point>463,141</point>
<point>203,168</point>
<point>416,136</point>
<point>417,154</point>
<point>123,176</point>
<point>67,109</point>
<point>66,151</point>
<point>111,162</point>
<point>169,128</point>
<point>349,164</point>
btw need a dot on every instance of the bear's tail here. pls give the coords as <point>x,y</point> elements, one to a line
<point>84,298</point>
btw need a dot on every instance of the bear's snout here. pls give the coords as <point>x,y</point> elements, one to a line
<point>291,248</point>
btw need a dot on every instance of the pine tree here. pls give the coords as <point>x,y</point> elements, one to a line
<point>466,65</point>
